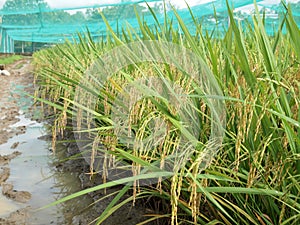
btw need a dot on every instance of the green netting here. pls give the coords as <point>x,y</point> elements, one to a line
<point>26,23</point>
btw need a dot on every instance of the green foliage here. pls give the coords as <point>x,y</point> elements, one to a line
<point>25,19</point>
<point>119,12</point>
<point>11,5</point>
<point>255,177</point>
<point>39,17</point>
<point>6,60</point>
<point>63,17</point>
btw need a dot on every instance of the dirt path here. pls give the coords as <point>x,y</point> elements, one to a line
<point>20,78</point>
<point>9,106</point>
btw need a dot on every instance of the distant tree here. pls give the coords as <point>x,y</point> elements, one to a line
<point>93,15</point>
<point>124,11</point>
<point>32,7</point>
<point>23,5</point>
<point>78,17</point>
<point>57,17</point>
<point>36,14</point>
<point>62,17</point>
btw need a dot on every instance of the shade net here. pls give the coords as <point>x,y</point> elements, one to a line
<point>49,22</point>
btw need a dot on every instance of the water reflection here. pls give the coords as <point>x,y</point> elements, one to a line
<point>34,171</point>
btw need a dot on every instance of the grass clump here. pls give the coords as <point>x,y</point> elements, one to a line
<point>254,178</point>
<point>7,60</point>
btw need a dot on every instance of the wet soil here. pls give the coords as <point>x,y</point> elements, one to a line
<point>9,108</point>
<point>128,214</point>
<point>9,112</point>
<point>78,211</point>
<point>8,188</point>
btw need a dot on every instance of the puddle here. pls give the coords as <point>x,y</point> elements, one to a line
<point>32,171</point>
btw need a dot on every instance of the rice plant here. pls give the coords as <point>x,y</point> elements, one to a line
<point>254,178</point>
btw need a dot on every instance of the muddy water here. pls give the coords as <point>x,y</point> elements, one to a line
<point>33,171</point>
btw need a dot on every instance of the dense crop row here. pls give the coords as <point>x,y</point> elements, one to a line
<point>254,178</point>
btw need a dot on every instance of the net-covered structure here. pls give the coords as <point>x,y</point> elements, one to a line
<point>26,25</point>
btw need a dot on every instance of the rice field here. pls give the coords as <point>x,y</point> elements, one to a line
<point>252,179</point>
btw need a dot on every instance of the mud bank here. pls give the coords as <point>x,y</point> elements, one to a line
<point>28,180</point>
<point>9,112</point>
<point>24,146</point>
<point>126,215</point>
